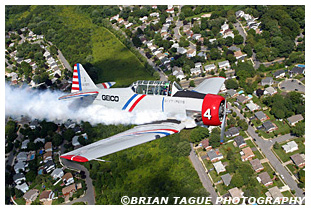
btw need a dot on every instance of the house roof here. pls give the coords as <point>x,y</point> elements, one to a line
<point>69,189</point>
<point>297,159</point>
<point>265,178</point>
<point>260,115</point>
<point>267,80</point>
<point>18,176</point>
<point>270,90</point>
<point>226,179</point>
<point>49,163</point>
<point>239,140</point>
<point>205,143</point>
<point>223,63</point>
<point>256,164</point>
<point>247,152</point>
<point>57,171</point>
<point>241,98</point>
<point>233,130</point>
<point>295,118</point>
<point>31,194</point>
<point>238,53</point>
<point>21,156</point>
<point>219,167</point>
<point>47,154</point>
<point>67,176</point>
<point>268,125</point>
<point>275,192</point>
<point>212,154</point>
<point>236,192</point>
<point>234,48</point>
<point>46,194</point>
<point>252,106</point>
<point>48,145</point>
<point>298,70</point>
<point>209,66</point>
<point>279,72</point>
<point>290,145</point>
<point>231,92</point>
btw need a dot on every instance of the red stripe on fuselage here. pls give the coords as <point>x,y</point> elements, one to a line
<point>136,102</point>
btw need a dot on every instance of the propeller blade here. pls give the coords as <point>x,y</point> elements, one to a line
<point>223,124</point>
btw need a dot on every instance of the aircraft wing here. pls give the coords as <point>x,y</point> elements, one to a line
<point>130,138</point>
<point>79,95</point>
<point>210,85</point>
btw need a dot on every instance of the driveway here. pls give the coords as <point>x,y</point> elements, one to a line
<point>242,32</point>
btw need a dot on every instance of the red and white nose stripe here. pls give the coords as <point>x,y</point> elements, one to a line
<point>75,80</point>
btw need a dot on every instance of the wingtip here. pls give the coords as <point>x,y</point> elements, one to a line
<point>76,158</point>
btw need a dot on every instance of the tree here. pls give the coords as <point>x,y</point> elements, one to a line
<point>198,134</point>
<point>57,139</point>
<point>238,39</point>
<point>237,180</point>
<point>276,145</point>
<point>31,176</point>
<point>191,83</point>
<point>299,129</point>
<point>231,84</point>
<point>68,134</point>
<point>222,74</point>
<point>229,41</point>
<point>136,41</point>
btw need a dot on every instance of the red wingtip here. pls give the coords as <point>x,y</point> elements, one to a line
<point>75,158</point>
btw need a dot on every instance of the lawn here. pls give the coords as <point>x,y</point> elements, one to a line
<point>286,156</point>
<point>277,182</point>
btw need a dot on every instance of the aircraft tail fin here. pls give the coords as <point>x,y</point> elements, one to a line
<point>81,81</point>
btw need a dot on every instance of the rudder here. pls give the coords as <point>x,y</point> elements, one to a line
<point>81,81</point>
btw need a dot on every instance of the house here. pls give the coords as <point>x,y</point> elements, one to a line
<point>31,195</point>
<point>242,99</point>
<point>261,116</point>
<point>143,19</point>
<point>46,54</point>
<point>224,65</point>
<point>198,65</point>
<point>290,147</point>
<point>228,33</point>
<point>232,93</point>
<point>297,70</point>
<point>269,126</point>
<point>195,71</point>
<point>22,156</point>
<point>210,67</point>
<point>181,50</point>
<point>214,155</point>
<point>226,179</point>
<point>232,132</point>
<point>33,124</point>
<point>75,141</point>
<point>57,173</point>
<point>294,119</point>
<point>48,147</point>
<point>265,179</point>
<point>205,144</point>
<point>191,53</point>
<point>160,55</point>
<point>31,155</point>
<point>298,160</point>
<point>252,106</point>
<point>224,27</point>
<point>179,74</point>
<point>46,195</point>
<point>269,91</point>
<point>69,124</point>
<point>219,167</point>
<point>275,193</point>
<point>19,166</point>
<point>39,140</point>
<point>18,178</point>
<point>202,54</point>
<point>23,187</point>
<point>49,166</point>
<point>267,81</point>
<point>234,48</point>
<point>279,73</point>
<point>69,189</point>
<point>128,25</point>
<point>247,154</point>
<point>196,36</point>
<point>239,141</point>
<point>236,193</point>
<point>68,179</point>
<point>256,165</point>
<point>171,10</point>
<point>239,14</point>
<point>164,28</point>
<point>47,156</point>
<point>239,55</point>
<point>154,14</point>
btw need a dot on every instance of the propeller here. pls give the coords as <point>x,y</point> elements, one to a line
<point>223,124</point>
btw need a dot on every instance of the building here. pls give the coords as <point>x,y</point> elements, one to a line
<point>210,67</point>
<point>205,144</point>
<point>232,132</point>
<point>214,155</point>
<point>269,91</point>
<point>298,160</point>
<point>226,179</point>
<point>224,65</point>
<point>31,195</point>
<point>239,14</point>
<point>39,140</point>
<point>275,193</point>
<point>242,99</point>
<point>181,50</point>
<point>247,154</point>
<point>269,126</point>
<point>252,106</point>
<point>69,189</point>
<point>47,156</point>
<point>46,195</point>
<point>57,173</point>
<point>294,119</point>
<point>265,179</point>
<point>236,193</point>
<point>239,141</point>
<point>48,147</point>
<point>261,116</point>
<point>24,144</point>
<point>297,70</point>
<point>23,187</point>
<point>191,53</point>
<point>49,166</point>
<point>19,166</point>
<point>234,48</point>
<point>68,179</point>
<point>290,147</point>
<point>256,165</point>
<point>18,178</point>
<point>75,141</point>
<point>195,71</point>
<point>22,156</point>
<point>33,124</point>
<point>219,167</point>
<point>239,55</point>
<point>232,93</point>
<point>267,81</point>
<point>279,73</point>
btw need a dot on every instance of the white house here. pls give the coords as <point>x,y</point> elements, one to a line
<point>195,71</point>
<point>224,65</point>
<point>209,67</point>
<point>290,147</point>
<point>57,173</point>
<point>219,167</point>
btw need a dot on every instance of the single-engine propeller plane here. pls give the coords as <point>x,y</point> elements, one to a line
<point>202,105</point>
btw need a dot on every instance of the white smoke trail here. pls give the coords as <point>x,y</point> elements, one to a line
<point>45,105</point>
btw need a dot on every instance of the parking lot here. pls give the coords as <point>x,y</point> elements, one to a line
<point>292,85</point>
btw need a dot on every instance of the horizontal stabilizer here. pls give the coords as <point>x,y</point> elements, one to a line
<point>105,85</point>
<point>210,85</point>
<point>78,95</point>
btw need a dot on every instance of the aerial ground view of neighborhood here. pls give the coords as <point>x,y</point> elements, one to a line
<point>144,62</point>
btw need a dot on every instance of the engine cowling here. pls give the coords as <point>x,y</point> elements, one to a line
<point>212,109</point>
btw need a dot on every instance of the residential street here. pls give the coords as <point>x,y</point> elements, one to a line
<point>207,184</point>
<point>265,146</point>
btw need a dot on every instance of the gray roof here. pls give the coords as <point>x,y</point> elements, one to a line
<point>223,63</point>
<point>239,140</point>
<point>18,176</point>
<point>231,92</point>
<point>267,81</point>
<point>275,192</point>
<point>212,154</point>
<point>21,156</point>
<point>233,131</point>
<point>226,179</point>
<point>297,159</point>
<point>241,98</point>
<point>277,73</point>
<point>19,165</point>
<point>265,178</point>
<point>260,115</point>
<point>256,164</point>
<point>234,48</point>
<point>298,70</point>
<point>268,125</point>
<point>295,118</point>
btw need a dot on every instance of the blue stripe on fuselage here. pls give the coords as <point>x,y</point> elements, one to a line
<point>129,101</point>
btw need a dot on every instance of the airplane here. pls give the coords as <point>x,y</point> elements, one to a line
<point>202,105</point>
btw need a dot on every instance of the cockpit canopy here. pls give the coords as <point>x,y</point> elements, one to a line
<point>165,88</point>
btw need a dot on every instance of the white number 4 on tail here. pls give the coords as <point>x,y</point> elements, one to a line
<point>207,114</point>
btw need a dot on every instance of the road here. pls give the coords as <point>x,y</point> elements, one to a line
<point>241,30</point>
<point>265,146</point>
<point>207,184</point>
<point>64,61</point>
